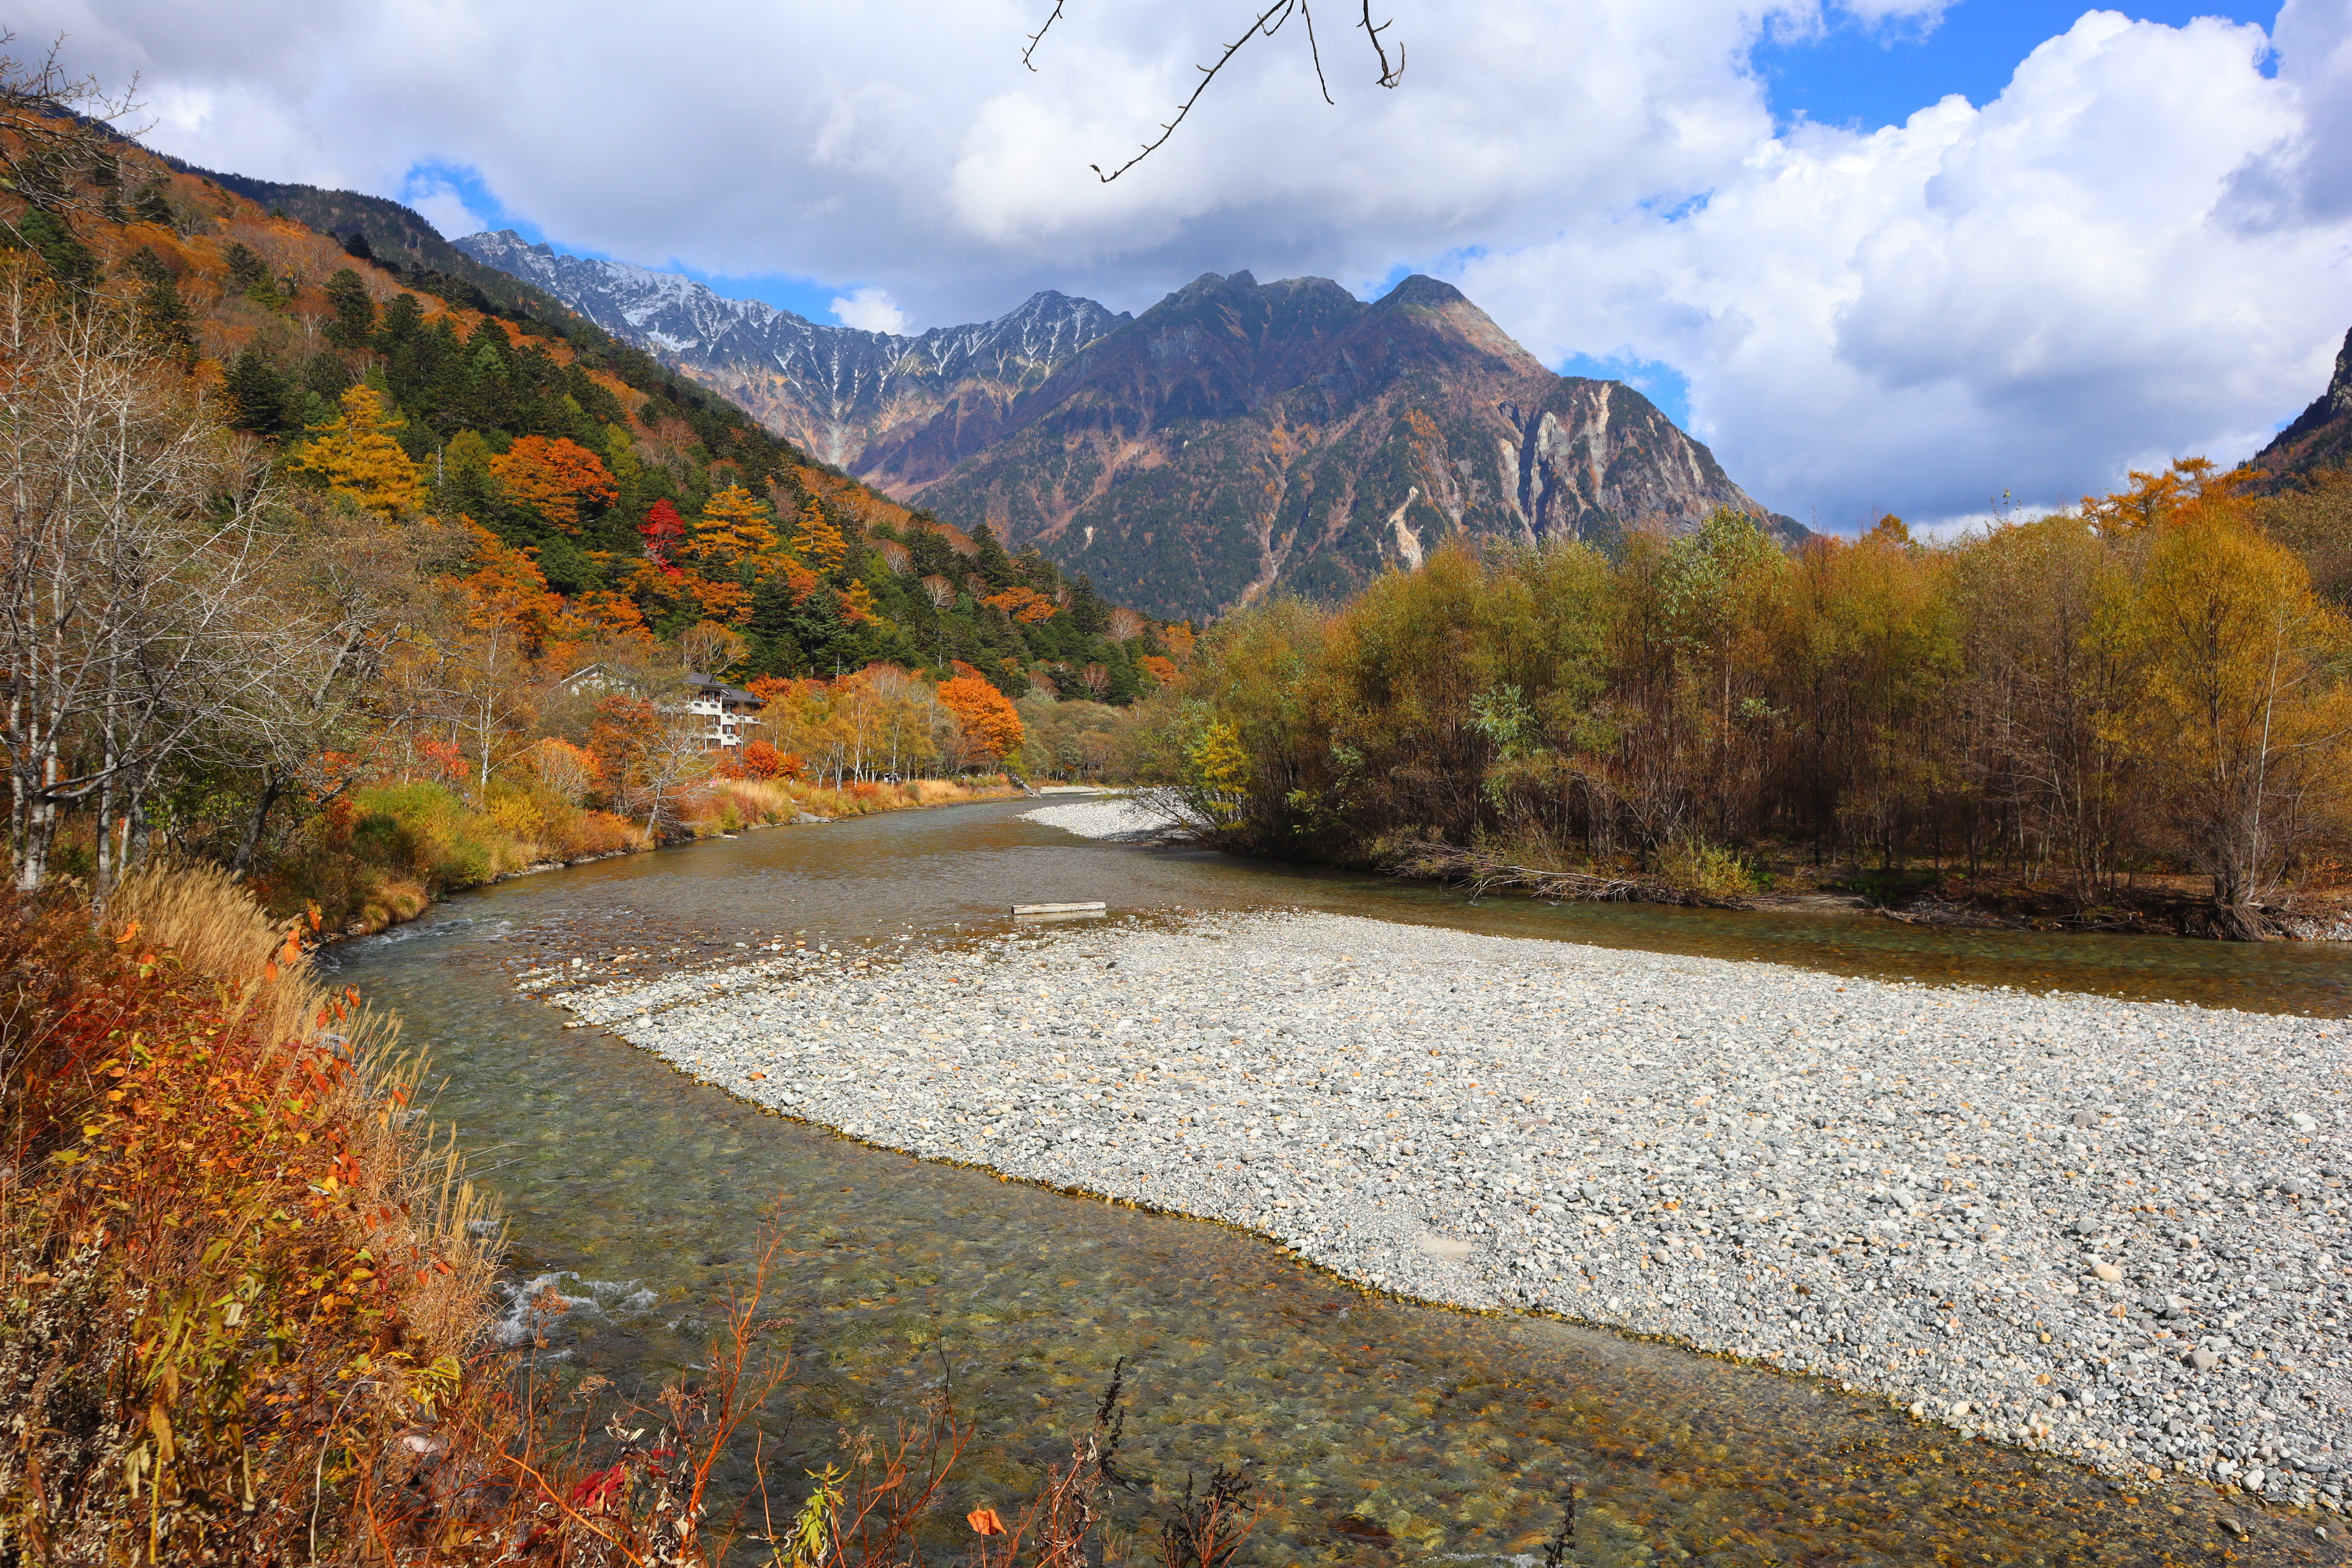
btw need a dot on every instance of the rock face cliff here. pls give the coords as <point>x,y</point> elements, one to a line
<point>2320,437</point>
<point>850,397</point>
<point>1240,437</point>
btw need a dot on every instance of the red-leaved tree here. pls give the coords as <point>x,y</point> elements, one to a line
<point>663,530</point>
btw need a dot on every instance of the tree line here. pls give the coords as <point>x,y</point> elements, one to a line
<point>2158,681</point>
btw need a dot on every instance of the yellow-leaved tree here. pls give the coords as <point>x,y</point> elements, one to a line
<point>734,524</point>
<point>2239,709</point>
<point>818,541</point>
<point>1219,769</point>
<point>358,456</point>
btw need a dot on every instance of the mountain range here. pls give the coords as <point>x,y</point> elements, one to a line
<point>1236,439</point>
<point>846,395</point>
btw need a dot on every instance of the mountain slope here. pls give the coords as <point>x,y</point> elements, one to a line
<point>860,399</point>
<point>2320,437</point>
<point>378,229</point>
<point>615,497</point>
<point>1240,437</point>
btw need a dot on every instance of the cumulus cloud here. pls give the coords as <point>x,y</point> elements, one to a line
<point>2140,249</point>
<point>870,309</point>
<point>2029,297</point>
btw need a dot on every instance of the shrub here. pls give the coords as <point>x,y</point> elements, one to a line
<point>1703,872</point>
<point>232,1274</point>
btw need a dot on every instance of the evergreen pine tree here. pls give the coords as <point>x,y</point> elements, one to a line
<point>153,205</point>
<point>256,395</point>
<point>69,261</point>
<point>1089,617</point>
<point>993,563</point>
<point>354,309</point>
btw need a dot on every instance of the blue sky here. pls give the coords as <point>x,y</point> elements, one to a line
<point>1868,76</point>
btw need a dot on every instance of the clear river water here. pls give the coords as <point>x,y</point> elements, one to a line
<point>1380,1431</point>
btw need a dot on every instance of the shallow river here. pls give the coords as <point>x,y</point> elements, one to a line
<point>1380,1431</point>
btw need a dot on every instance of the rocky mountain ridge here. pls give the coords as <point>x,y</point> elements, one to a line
<point>2320,436</point>
<point>847,396</point>
<point>1240,438</point>
<point>1237,439</point>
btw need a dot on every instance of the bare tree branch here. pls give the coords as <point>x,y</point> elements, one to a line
<point>1389,75</point>
<point>1266,23</point>
<point>59,151</point>
<point>1039,36</point>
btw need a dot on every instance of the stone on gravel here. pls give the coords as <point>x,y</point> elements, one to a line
<point>1890,1185</point>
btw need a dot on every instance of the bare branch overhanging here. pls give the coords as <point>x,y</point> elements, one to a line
<point>1268,23</point>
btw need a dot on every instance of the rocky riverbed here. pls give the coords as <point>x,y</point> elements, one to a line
<point>2100,1228</point>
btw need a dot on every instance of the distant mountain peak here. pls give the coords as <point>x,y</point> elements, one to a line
<point>1423,290</point>
<point>1240,439</point>
<point>846,394</point>
<point>1236,439</point>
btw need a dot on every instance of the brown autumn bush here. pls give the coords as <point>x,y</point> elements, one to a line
<point>233,1275</point>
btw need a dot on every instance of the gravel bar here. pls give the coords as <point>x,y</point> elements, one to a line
<point>2105,1229</point>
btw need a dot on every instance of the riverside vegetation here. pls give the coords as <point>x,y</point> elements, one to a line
<point>2134,714</point>
<point>246,1306</point>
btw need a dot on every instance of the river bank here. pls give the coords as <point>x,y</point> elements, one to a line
<point>2092,1227</point>
<point>2169,906</point>
<point>440,847</point>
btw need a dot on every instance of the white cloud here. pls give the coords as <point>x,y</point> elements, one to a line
<point>2140,249</point>
<point>444,207</point>
<point>2029,298</point>
<point>869,310</point>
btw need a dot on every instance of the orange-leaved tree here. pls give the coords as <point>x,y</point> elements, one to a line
<point>555,477</point>
<point>1026,605</point>
<point>984,715</point>
<point>2153,499</point>
<point>565,770</point>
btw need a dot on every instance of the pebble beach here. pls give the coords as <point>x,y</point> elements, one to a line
<point>2103,1229</point>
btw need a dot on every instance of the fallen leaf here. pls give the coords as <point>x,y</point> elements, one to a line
<point>984,1522</point>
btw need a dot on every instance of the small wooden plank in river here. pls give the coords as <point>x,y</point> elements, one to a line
<point>1094,908</point>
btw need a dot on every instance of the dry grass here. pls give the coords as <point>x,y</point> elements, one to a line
<point>236,1277</point>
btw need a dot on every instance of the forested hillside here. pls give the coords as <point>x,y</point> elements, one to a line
<point>442,499</point>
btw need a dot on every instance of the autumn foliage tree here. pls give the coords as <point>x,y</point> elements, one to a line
<point>2147,684</point>
<point>2239,709</point>
<point>358,454</point>
<point>664,532</point>
<point>555,477</point>
<point>987,719</point>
